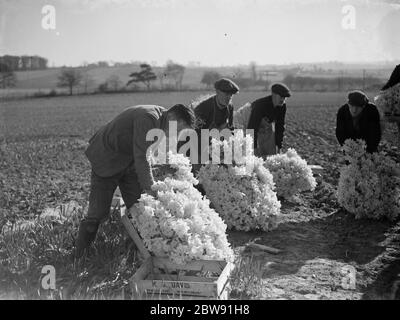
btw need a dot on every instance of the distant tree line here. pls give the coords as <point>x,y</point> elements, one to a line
<point>332,83</point>
<point>253,78</point>
<point>171,77</point>
<point>21,63</point>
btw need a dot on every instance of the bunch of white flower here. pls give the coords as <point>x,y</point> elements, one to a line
<point>242,192</point>
<point>389,100</point>
<point>177,166</point>
<point>241,116</point>
<point>291,173</point>
<point>369,186</point>
<point>179,223</point>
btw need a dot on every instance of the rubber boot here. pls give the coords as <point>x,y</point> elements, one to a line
<point>86,235</point>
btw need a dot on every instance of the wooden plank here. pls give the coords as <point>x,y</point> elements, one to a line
<point>222,281</point>
<point>172,277</point>
<point>140,275</point>
<point>183,288</point>
<point>134,235</point>
<point>143,271</point>
<point>166,296</point>
<point>224,295</point>
<point>213,266</point>
<point>316,168</point>
<point>263,248</point>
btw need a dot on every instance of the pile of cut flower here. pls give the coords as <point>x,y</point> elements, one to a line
<point>291,173</point>
<point>241,188</point>
<point>244,191</point>
<point>178,223</point>
<point>369,186</point>
<point>388,101</point>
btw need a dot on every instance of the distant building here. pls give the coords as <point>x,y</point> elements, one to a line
<point>266,75</point>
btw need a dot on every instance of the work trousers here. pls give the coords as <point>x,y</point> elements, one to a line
<point>102,191</point>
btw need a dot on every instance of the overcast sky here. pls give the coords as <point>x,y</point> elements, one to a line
<point>213,32</point>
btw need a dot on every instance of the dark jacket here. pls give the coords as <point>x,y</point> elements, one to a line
<point>122,143</point>
<point>369,126</point>
<point>264,108</point>
<point>210,115</point>
<point>394,78</point>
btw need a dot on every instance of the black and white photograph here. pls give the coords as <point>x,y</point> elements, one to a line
<point>225,152</point>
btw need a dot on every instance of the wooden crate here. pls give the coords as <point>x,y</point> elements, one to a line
<point>159,278</point>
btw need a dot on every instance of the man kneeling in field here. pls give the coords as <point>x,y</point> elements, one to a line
<point>359,119</point>
<point>117,154</point>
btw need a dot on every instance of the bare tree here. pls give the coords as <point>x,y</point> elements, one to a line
<point>69,77</point>
<point>145,75</point>
<point>176,72</point>
<point>13,62</point>
<point>238,73</point>
<point>25,62</point>
<point>42,63</point>
<point>209,78</point>
<point>87,81</point>
<point>161,77</point>
<point>7,76</point>
<point>253,71</point>
<point>114,82</point>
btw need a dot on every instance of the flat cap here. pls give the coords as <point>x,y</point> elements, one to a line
<point>357,98</point>
<point>281,89</point>
<point>226,85</point>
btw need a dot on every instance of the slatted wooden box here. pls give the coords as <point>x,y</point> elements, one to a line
<point>159,278</point>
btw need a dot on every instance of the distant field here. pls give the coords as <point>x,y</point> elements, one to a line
<point>44,81</point>
<point>82,115</point>
<point>47,79</point>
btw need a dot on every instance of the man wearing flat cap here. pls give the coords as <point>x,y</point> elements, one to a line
<point>217,110</point>
<point>267,119</point>
<point>117,154</point>
<point>359,119</point>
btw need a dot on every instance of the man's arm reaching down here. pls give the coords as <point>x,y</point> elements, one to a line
<point>140,145</point>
